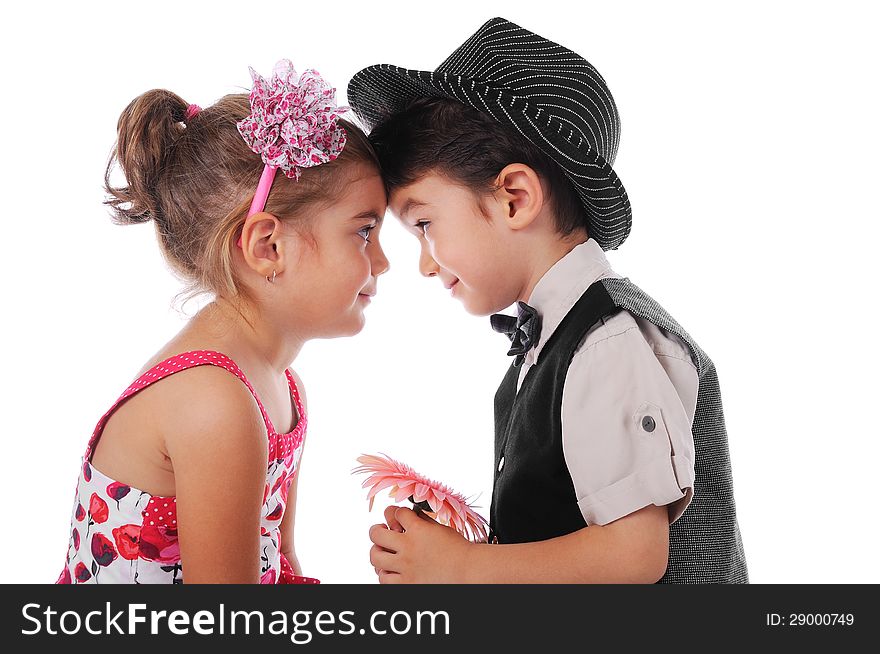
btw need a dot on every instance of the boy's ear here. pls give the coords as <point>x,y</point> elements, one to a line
<point>260,237</point>
<point>520,194</point>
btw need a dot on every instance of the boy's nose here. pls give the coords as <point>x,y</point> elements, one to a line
<point>427,266</point>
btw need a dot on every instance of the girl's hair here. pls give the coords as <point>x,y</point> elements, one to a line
<point>469,147</point>
<point>195,179</point>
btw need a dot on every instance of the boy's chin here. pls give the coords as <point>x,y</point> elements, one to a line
<point>482,307</point>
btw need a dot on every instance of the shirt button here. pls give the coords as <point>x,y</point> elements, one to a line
<point>501,464</point>
<point>648,423</point>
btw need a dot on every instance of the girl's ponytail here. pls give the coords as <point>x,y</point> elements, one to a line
<point>146,132</point>
<point>194,177</point>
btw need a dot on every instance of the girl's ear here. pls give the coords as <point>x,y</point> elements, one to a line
<point>260,238</point>
<point>520,194</point>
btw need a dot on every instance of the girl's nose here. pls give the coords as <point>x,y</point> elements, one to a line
<point>380,263</point>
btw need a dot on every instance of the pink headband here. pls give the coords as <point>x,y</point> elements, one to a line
<point>292,125</point>
<point>192,110</point>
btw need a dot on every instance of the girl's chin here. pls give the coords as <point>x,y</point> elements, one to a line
<point>348,322</point>
<point>356,322</point>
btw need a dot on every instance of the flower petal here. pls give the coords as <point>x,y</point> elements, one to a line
<point>421,492</point>
<point>382,485</point>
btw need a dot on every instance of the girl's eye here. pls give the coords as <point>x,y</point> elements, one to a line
<point>423,226</point>
<point>364,232</point>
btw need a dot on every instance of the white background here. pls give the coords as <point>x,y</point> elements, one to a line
<point>749,151</point>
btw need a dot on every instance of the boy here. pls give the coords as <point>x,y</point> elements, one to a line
<point>611,458</point>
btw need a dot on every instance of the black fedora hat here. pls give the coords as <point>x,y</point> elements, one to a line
<point>549,94</point>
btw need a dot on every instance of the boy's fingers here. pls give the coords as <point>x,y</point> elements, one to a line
<point>382,559</point>
<point>407,518</point>
<point>384,537</point>
<point>389,578</point>
<point>393,524</point>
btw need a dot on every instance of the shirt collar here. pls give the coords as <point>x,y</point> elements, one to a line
<point>562,286</point>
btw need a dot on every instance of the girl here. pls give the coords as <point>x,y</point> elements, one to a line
<point>193,472</point>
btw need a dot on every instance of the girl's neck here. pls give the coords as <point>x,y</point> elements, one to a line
<point>248,334</point>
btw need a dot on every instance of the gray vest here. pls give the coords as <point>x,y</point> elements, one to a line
<point>533,496</point>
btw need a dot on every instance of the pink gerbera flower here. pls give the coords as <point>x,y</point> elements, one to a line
<point>439,501</point>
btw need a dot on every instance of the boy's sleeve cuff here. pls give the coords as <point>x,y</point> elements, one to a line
<point>664,481</point>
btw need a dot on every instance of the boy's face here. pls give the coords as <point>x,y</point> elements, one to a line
<point>470,252</point>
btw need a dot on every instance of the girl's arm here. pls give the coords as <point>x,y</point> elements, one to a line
<point>216,440</point>
<point>288,521</point>
<point>633,549</point>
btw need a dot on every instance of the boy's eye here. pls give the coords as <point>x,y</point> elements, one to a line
<point>364,232</point>
<point>422,225</point>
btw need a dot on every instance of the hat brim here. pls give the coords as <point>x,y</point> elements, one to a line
<point>378,92</point>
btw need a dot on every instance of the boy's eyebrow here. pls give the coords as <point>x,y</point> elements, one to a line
<point>411,204</point>
<point>369,214</point>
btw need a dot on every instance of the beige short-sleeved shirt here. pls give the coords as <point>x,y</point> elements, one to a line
<point>628,403</point>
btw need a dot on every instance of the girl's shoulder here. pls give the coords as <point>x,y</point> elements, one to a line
<point>207,393</point>
<point>207,408</point>
<point>200,392</point>
<point>173,410</point>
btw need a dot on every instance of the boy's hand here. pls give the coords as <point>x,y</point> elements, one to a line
<point>414,549</point>
<point>392,524</point>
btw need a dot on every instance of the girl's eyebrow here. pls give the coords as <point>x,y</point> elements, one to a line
<point>369,214</point>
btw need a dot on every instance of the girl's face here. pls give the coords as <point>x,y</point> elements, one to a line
<point>338,261</point>
<point>469,251</point>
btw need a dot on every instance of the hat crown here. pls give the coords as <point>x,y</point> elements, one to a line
<point>549,77</point>
<point>551,96</point>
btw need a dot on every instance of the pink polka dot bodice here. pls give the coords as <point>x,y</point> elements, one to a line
<point>120,534</point>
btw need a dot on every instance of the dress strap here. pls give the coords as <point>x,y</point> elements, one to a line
<point>173,365</point>
<point>300,409</point>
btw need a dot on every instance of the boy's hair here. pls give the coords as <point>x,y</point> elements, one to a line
<point>444,136</point>
<point>196,182</point>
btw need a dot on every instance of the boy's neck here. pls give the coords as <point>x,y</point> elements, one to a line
<point>547,257</point>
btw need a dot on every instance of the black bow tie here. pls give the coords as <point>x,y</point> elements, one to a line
<point>523,330</point>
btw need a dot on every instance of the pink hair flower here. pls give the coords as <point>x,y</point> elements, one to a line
<point>437,500</point>
<point>293,120</point>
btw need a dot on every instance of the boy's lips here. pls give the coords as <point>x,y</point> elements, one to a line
<point>449,286</point>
